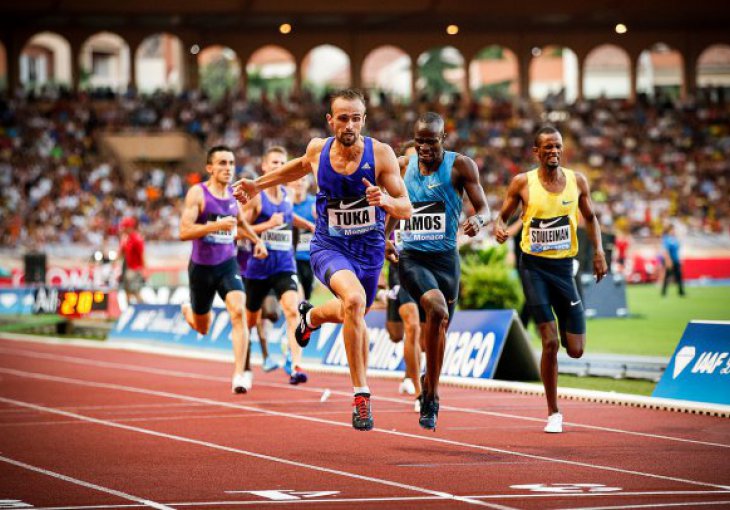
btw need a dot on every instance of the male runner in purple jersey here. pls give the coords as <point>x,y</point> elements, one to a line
<point>271,215</point>
<point>209,219</point>
<point>347,251</point>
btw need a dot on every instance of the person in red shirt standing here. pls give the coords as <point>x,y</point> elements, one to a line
<point>131,246</point>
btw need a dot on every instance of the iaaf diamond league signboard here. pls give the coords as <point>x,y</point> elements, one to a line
<point>482,344</point>
<point>479,344</point>
<point>700,367</point>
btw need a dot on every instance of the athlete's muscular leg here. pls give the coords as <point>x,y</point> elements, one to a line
<point>549,363</point>
<point>575,343</point>
<point>289,301</point>
<point>411,348</point>
<point>235,302</point>
<point>331,311</point>
<point>252,319</point>
<point>434,333</point>
<point>351,294</point>
<point>200,323</point>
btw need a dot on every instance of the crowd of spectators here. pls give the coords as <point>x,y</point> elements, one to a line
<point>647,160</point>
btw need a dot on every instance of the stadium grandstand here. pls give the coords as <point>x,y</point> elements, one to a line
<point>107,112</point>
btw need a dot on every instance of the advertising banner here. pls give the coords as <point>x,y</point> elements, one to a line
<point>700,367</point>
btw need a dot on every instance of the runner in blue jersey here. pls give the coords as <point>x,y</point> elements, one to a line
<point>304,206</point>
<point>271,215</point>
<point>429,267</point>
<point>210,219</point>
<point>349,239</point>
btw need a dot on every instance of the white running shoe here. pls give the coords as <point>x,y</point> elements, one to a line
<point>248,380</point>
<point>239,384</point>
<point>554,423</point>
<point>407,387</point>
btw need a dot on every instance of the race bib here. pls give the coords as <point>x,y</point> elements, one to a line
<point>279,239</point>
<point>350,216</point>
<point>221,236</point>
<point>305,239</point>
<point>549,234</point>
<point>427,222</point>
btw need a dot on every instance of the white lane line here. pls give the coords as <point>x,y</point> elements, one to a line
<point>399,498</point>
<point>88,485</point>
<point>653,505</point>
<point>318,390</point>
<point>144,391</point>
<point>390,483</point>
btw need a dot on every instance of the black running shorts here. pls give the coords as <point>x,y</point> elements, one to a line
<point>549,285</point>
<point>205,281</point>
<point>256,290</point>
<point>421,271</point>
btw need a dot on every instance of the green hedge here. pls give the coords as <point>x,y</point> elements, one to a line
<point>487,282</point>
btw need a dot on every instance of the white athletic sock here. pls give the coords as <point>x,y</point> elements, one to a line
<point>308,318</point>
<point>361,389</point>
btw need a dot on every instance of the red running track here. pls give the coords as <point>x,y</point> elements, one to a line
<point>85,428</point>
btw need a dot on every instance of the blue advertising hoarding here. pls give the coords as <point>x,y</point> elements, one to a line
<point>700,367</point>
<point>476,342</point>
<point>17,301</point>
<point>165,324</point>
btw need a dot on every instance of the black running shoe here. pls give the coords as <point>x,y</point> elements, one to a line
<point>297,377</point>
<point>362,418</point>
<point>429,413</point>
<point>304,331</point>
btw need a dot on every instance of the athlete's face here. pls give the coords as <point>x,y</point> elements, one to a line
<point>346,120</point>
<point>272,161</point>
<point>429,139</point>
<point>222,166</point>
<point>549,150</point>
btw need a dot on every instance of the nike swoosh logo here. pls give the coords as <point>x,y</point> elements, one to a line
<point>421,208</point>
<point>568,202</point>
<point>549,223</point>
<point>573,304</point>
<point>432,186</point>
<point>343,205</point>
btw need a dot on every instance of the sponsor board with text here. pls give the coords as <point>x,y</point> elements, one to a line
<point>700,367</point>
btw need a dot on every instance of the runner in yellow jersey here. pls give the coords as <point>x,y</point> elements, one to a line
<point>551,197</point>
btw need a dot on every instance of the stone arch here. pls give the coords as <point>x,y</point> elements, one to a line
<point>104,63</point>
<point>494,72</point>
<point>45,60</point>
<point>553,74</point>
<point>441,74</point>
<point>159,62</point>
<point>220,71</point>
<point>270,70</point>
<point>325,67</point>
<point>388,69</point>
<point>659,72</point>
<point>607,72</point>
<point>713,66</point>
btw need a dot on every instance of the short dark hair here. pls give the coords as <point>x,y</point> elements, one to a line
<point>544,130</point>
<point>213,150</point>
<point>431,118</point>
<point>349,94</point>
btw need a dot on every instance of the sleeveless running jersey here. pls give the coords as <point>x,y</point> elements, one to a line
<point>304,209</point>
<point>345,221</point>
<point>436,207</point>
<point>279,240</point>
<point>244,253</point>
<point>550,219</point>
<point>216,247</point>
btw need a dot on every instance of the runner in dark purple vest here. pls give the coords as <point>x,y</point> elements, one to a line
<point>271,215</point>
<point>210,219</point>
<point>347,251</point>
